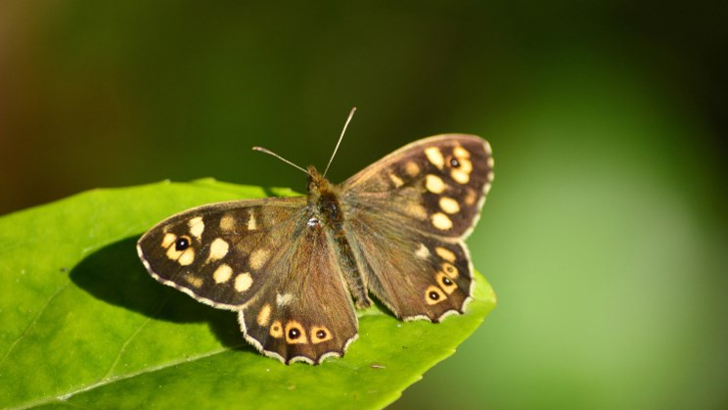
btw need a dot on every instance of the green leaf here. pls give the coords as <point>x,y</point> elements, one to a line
<point>84,325</point>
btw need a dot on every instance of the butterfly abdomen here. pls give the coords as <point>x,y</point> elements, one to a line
<point>328,215</point>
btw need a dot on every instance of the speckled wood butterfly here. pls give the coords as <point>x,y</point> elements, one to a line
<point>295,268</point>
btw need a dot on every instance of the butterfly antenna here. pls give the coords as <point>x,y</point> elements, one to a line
<point>348,120</point>
<point>269,152</point>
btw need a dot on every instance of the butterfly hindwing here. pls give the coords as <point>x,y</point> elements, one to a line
<point>416,276</point>
<point>305,313</point>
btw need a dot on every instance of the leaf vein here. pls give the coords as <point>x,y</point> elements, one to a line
<point>33,322</point>
<point>65,397</point>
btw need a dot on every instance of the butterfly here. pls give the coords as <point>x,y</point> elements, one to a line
<point>296,268</point>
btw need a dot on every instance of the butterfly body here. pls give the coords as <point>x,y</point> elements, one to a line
<point>296,268</point>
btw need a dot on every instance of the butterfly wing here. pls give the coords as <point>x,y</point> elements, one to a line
<point>306,313</point>
<point>217,253</point>
<point>417,276</point>
<point>407,216</point>
<point>260,258</point>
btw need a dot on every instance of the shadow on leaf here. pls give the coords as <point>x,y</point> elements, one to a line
<point>115,275</point>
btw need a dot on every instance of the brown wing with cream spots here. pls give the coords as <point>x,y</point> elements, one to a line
<point>417,276</point>
<point>406,218</point>
<point>436,184</point>
<point>264,259</point>
<point>219,254</point>
<point>306,313</point>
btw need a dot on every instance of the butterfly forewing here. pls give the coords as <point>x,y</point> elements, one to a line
<point>436,184</point>
<point>220,253</point>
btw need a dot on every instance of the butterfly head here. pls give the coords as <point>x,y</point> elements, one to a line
<point>323,196</point>
<point>317,183</point>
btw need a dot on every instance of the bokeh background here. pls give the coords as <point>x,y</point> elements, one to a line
<point>605,234</point>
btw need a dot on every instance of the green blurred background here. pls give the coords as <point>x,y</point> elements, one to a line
<point>605,234</point>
